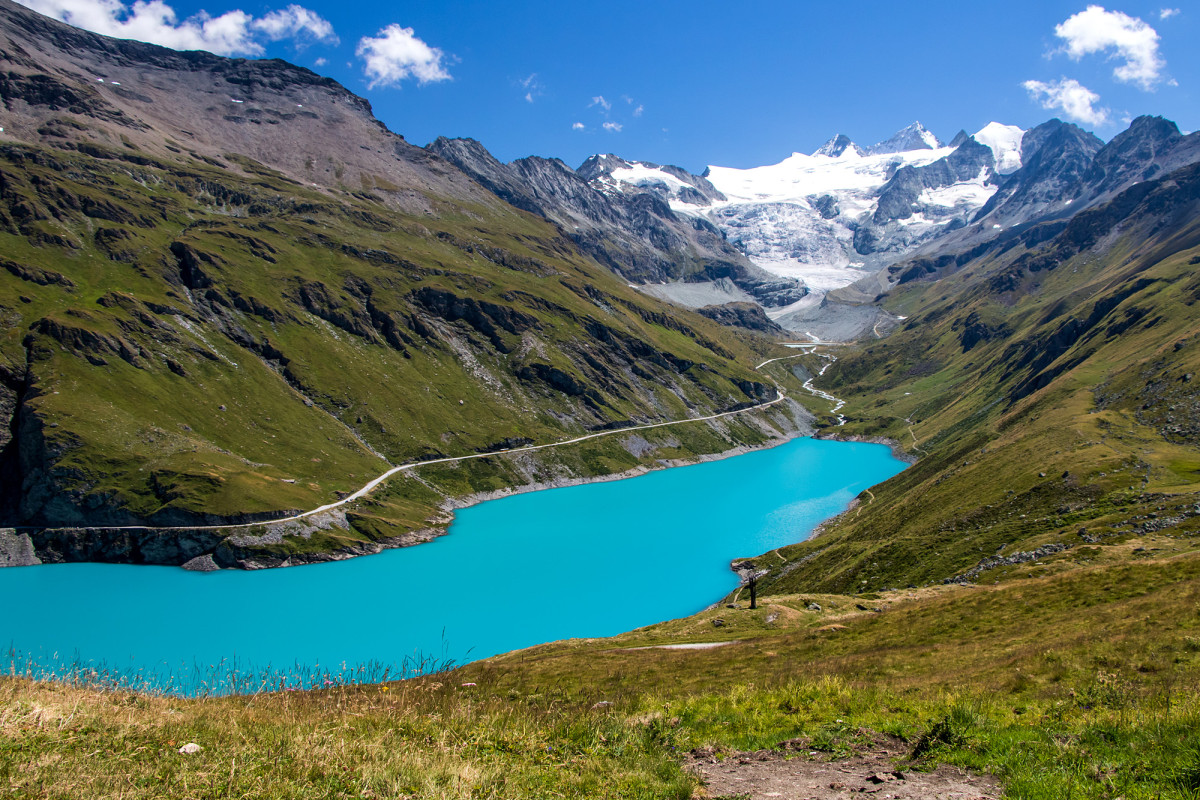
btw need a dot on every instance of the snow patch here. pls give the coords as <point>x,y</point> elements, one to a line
<point>1005,144</point>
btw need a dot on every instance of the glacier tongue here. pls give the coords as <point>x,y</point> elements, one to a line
<point>798,218</point>
<point>815,217</point>
<point>835,217</point>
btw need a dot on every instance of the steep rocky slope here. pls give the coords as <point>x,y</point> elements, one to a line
<point>229,293</point>
<point>636,234</point>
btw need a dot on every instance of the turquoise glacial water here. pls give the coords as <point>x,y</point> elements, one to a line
<point>591,560</point>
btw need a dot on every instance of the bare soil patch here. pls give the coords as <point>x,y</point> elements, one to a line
<point>796,773</point>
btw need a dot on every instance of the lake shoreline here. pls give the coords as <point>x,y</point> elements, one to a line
<point>591,560</point>
<point>194,549</point>
<point>452,504</point>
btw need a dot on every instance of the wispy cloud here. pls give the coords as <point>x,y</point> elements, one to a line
<point>599,100</point>
<point>637,112</point>
<point>1121,36</point>
<point>578,126</point>
<point>532,87</point>
<point>396,54</point>
<point>155,21</point>
<point>1167,13</point>
<point>613,127</point>
<point>1074,99</point>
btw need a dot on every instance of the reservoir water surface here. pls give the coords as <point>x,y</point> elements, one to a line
<point>583,561</point>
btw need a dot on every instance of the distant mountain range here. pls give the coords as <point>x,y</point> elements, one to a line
<point>840,216</point>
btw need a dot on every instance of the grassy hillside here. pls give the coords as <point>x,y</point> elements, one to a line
<point>1046,383</point>
<point>190,343</point>
<point>1002,680</point>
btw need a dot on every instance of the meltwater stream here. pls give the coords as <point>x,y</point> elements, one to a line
<point>584,561</point>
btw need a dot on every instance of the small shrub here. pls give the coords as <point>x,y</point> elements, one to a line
<point>951,732</point>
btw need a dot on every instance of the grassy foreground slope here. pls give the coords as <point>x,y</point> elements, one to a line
<point>1047,385</point>
<point>1001,679</point>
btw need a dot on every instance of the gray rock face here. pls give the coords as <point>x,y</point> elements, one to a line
<point>307,126</point>
<point>16,549</point>
<point>837,146</point>
<point>634,233</point>
<point>164,546</point>
<point>204,563</point>
<point>742,315</point>
<point>1054,157</point>
<point>1150,147</point>
<point>827,206</point>
<point>914,137</point>
<point>696,189</point>
<point>899,196</point>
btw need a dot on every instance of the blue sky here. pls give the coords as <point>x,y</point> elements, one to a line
<point>701,83</point>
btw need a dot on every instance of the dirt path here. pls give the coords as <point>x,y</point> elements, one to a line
<point>796,773</point>
<point>913,435</point>
<point>859,509</point>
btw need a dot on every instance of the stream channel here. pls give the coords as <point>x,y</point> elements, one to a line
<point>583,561</point>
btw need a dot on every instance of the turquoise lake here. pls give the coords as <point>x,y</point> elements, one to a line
<point>583,561</point>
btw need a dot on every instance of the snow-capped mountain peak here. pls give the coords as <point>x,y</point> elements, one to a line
<point>838,146</point>
<point>839,214</point>
<point>684,192</point>
<point>1005,144</point>
<point>914,137</point>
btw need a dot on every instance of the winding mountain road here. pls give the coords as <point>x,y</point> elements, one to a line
<point>375,482</point>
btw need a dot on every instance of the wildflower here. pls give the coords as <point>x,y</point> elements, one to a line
<point>468,684</point>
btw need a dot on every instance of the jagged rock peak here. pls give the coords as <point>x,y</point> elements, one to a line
<point>959,138</point>
<point>838,146</point>
<point>600,164</point>
<point>608,172</point>
<point>914,137</point>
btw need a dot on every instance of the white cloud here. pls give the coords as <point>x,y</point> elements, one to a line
<point>1075,100</point>
<point>1096,30</point>
<point>1167,13</point>
<point>613,127</point>
<point>599,100</point>
<point>320,62</point>
<point>529,97</point>
<point>578,126</point>
<point>637,112</point>
<point>295,22</point>
<point>232,33</point>
<point>397,54</point>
